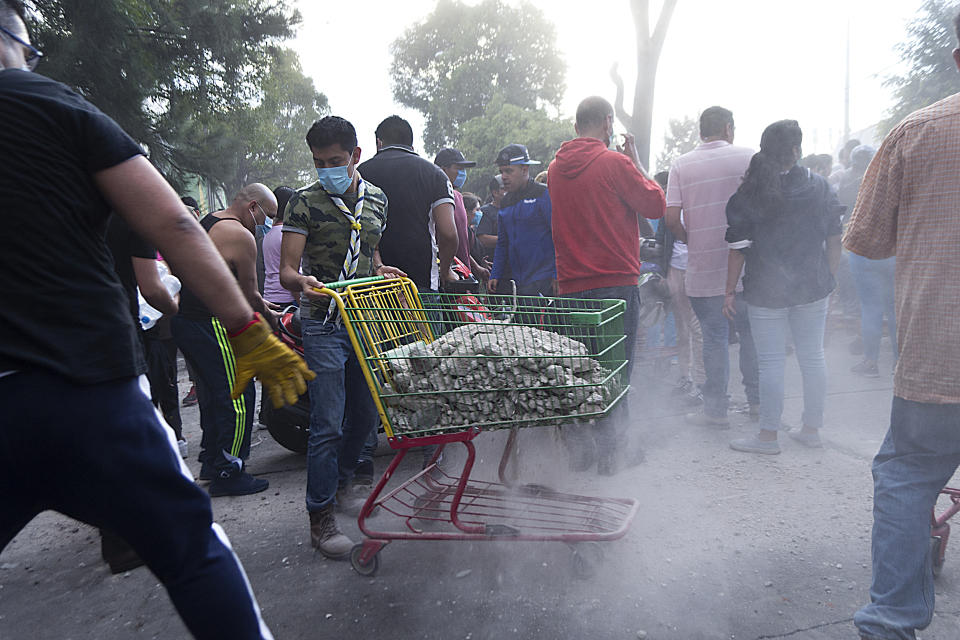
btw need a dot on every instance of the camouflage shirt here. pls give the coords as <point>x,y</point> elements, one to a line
<point>311,213</point>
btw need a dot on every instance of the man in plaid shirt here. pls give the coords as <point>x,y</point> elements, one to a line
<point>909,206</point>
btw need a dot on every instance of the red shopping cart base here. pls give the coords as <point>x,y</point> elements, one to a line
<point>940,529</point>
<point>436,505</point>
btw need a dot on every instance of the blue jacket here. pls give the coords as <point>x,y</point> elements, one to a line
<point>524,238</point>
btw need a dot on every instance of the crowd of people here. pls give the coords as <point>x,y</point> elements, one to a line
<point>749,244</point>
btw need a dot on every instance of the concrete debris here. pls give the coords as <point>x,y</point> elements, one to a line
<point>497,372</point>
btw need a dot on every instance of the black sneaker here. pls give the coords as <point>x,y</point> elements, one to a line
<point>238,483</point>
<point>866,369</point>
<point>684,386</point>
<point>207,472</point>
<point>118,554</point>
<point>694,397</point>
<point>364,470</point>
<point>856,347</point>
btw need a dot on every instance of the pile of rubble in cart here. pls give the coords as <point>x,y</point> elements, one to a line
<point>494,373</point>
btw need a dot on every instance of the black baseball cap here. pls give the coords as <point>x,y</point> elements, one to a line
<point>514,154</point>
<point>449,155</point>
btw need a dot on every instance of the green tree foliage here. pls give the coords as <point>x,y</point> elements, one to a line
<point>195,82</point>
<point>455,62</point>
<point>273,131</point>
<point>931,73</point>
<point>481,139</point>
<point>682,136</point>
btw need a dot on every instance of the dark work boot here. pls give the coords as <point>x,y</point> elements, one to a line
<point>325,534</point>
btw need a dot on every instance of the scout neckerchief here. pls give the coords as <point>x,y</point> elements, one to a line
<point>352,258</point>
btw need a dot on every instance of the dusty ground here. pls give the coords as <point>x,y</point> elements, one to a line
<point>726,546</point>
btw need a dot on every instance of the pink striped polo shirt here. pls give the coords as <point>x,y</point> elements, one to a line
<point>700,183</point>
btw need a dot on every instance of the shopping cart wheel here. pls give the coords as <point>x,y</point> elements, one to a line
<point>370,568</point>
<point>935,546</point>
<point>585,559</point>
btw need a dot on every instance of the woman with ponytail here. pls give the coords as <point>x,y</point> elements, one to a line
<point>784,236</point>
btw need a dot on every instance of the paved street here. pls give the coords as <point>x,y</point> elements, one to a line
<point>726,546</point>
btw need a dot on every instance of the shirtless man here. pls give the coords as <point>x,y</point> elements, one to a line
<point>226,423</point>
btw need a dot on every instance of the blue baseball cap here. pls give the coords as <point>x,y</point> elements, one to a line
<point>514,154</point>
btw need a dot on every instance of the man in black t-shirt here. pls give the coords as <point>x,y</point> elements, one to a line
<point>135,261</point>
<point>487,229</point>
<point>78,433</point>
<point>422,229</point>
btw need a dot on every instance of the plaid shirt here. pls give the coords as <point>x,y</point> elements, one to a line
<point>909,206</point>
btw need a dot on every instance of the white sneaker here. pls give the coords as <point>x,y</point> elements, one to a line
<point>184,449</point>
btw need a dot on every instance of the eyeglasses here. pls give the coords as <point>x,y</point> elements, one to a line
<point>266,215</point>
<point>31,56</point>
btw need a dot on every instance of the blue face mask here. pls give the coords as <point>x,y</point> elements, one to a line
<point>266,226</point>
<point>335,180</point>
<point>477,216</point>
<point>460,179</point>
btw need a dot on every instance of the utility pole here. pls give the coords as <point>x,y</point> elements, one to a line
<point>846,91</point>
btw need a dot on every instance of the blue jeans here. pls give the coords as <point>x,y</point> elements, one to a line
<point>716,353</point>
<point>806,323</point>
<point>917,458</point>
<point>342,412</point>
<point>874,280</point>
<point>605,429</point>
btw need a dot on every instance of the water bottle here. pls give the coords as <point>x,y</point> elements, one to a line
<point>149,315</point>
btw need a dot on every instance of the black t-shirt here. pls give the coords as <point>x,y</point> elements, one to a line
<point>414,186</point>
<point>786,260</point>
<point>64,309</point>
<point>125,244</point>
<point>488,226</point>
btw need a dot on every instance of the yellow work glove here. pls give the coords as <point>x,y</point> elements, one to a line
<point>259,353</point>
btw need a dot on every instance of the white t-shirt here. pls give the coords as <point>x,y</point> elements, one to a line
<point>679,259</point>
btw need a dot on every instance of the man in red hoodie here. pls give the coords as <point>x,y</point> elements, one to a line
<point>597,196</point>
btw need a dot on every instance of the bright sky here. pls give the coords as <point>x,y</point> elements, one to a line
<point>764,59</point>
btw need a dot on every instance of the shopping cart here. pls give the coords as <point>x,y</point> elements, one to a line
<point>544,362</point>
<point>940,529</point>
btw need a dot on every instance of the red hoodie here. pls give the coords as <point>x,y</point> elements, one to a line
<point>597,195</point>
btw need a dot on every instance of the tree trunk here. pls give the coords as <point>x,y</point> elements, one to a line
<point>643,109</point>
<point>649,46</point>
